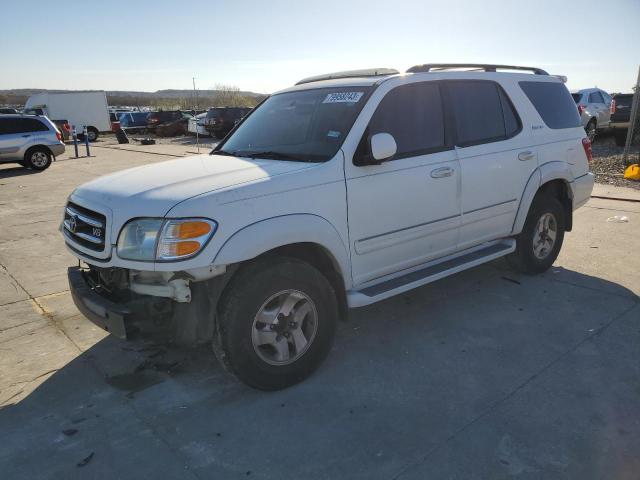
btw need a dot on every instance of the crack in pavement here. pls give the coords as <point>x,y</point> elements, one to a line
<point>495,406</point>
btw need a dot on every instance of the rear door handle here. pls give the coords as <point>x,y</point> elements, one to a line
<point>442,172</point>
<point>25,136</point>
<point>524,156</point>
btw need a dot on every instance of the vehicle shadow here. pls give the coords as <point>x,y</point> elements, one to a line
<point>9,172</point>
<point>403,376</point>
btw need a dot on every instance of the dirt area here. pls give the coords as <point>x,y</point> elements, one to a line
<point>608,165</point>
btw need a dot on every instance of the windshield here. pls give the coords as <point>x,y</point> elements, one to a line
<point>307,125</point>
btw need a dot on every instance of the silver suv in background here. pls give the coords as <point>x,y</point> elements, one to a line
<point>594,107</point>
<point>31,141</point>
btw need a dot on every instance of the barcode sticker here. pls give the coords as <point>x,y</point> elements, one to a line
<point>343,97</point>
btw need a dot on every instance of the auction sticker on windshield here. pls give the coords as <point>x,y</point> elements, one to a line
<point>343,97</point>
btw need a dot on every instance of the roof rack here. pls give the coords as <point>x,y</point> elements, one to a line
<point>368,72</point>
<point>430,67</point>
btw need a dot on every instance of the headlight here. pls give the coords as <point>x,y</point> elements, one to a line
<point>149,239</point>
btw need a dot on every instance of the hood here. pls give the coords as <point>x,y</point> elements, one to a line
<point>152,190</point>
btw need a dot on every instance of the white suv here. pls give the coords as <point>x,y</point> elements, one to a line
<point>339,192</point>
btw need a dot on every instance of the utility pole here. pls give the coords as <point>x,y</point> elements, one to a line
<point>633,119</point>
<point>195,111</point>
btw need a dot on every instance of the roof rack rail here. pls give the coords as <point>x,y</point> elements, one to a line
<point>430,67</point>
<point>368,72</point>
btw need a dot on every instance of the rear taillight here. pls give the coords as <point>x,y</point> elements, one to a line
<point>66,127</point>
<point>581,109</point>
<point>58,136</point>
<point>612,110</point>
<point>588,151</point>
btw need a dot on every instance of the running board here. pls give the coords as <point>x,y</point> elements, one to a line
<point>429,273</point>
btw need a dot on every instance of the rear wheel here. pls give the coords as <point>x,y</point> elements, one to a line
<point>539,243</point>
<point>92,133</point>
<point>277,320</point>
<point>37,158</point>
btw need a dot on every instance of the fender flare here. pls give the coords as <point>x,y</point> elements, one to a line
<point>268,234</point>
<point>545,173</point>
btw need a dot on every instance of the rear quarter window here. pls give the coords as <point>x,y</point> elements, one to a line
<point>553,102</point>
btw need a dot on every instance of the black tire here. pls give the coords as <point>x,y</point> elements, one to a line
<point>621,137</point>
<point>591,130</point>
<point>121,136</point>
<point>93,134</point>
<point>246,294</point>
<point>524,258</point>
<point>37,158</point>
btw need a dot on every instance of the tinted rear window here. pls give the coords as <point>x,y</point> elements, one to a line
<point>21,125</point>
<point>576,97</point>
<point>482,112</point>
<point>553,103</point>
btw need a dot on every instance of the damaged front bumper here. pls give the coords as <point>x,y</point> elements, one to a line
<point>121,317</point>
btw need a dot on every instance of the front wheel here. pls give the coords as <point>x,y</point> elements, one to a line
<point>539,243</point>
<point>277,320</point>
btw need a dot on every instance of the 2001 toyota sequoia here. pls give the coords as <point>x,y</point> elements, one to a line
<point>338,192</point>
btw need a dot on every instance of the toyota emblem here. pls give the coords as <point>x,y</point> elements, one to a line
<point>73,223</point>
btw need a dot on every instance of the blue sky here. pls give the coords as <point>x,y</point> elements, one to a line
<point>268,45</point>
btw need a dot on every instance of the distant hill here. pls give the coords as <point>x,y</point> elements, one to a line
<point>182,98</point>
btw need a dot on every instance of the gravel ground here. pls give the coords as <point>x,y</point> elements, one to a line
<point>607,162</point>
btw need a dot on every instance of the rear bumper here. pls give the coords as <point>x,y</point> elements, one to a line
<point>57,149</point>
<point>582,188</point>
<point>620,125</point>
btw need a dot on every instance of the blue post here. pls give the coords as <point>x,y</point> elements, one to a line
<point>86,139</point>
<point>75,139</point>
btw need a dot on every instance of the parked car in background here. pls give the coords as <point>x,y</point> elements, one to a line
<point>221,120</point>
<point>79,108</point>
<point>196,125</point>
<point>621,116</point>
<point>594,107</point>
<point>31,141</point>
<point>167,117</point>
<point>134,122</point>
<point>168,123</point>
<point>8,111</point>
<point>341,191</point>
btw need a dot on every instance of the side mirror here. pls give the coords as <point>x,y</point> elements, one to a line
<point>383,146</point>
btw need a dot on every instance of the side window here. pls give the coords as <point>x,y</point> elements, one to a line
<point>32,125</point>
<point>596,97</point>
<point>553,103</point>
<point>512,123</point>
<point>482,113</point>
<point>413,115</point>
<point>22,125</point>
<point>5,125</point>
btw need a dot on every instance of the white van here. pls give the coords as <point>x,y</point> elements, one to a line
<point>338,192</point>
<point>81,109</point>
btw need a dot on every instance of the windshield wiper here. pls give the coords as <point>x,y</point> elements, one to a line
<point>271,155</point>
<point>223,152</point>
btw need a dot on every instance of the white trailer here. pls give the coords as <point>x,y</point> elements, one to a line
<point>82,109</point>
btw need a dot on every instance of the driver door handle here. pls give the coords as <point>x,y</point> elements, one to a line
<point>442,172</point>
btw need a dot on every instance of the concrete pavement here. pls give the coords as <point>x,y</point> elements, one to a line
<point>487,374</point>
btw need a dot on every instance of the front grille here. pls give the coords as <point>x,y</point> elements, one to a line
<point>85,227</point>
